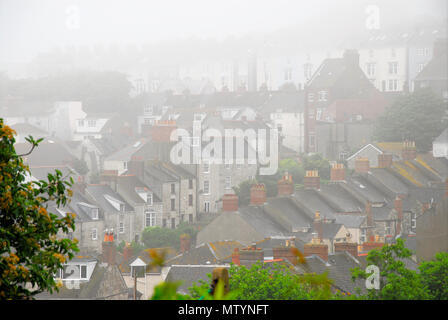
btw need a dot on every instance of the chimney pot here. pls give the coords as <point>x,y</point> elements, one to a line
<point>258,194</point>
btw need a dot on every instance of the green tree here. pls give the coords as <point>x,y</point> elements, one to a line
<point>30,252</point>
<point>396,281</point>
<point>243,191</point>
<point>156,237</point>
<point>434,275</point>
<point>270,282</point>
<point>418,116</point>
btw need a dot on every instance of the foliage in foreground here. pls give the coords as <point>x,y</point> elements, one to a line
<point>30,253</point>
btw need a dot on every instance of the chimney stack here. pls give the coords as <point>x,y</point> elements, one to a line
<point>136,167</point>
<point>285,186</point>
<point>370,222</point>
<point>350,247</point>
<point>337,172</point>
<point>236,257</point>
<point>127,252</point>
<point>318,225</point>
<point>258,194</point>
<point>372,244</point>
<point>409,151</point>
<point>351,58</point>
<point>384,160</point>
<point>185,242</point>
<point>398,206</point>
<point>362,165</point>
<point>230,203</point>
<point>311,179</point>
<point>109,249</point>
<point>316,247</point>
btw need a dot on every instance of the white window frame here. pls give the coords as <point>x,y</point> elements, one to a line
<point>94,234</point>
<point>121,227</point>
<point>149,198</point>
<point>322,95</point>
<point>206,167</point>
<point>150,216</point>
<point>91,123</point>
<point>228,182</point>
<point>206,206</point>
<point>207,183</point>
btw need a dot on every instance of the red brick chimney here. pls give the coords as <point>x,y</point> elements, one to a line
<point>370,222</point>
<point>285,186</point>
<point>446,188</point>
<point>316,247</point>
<point>161,131</point>
<point>127,252</point>
<point>350,247</point>
<point>258,194</point>
<point>337,172</point>
<point>311,179</point>
<point>317,224</point>
<point>362,165</point>
<point>384,160</point>
<point>136,166</point>
<point>236,257</point>
<point>398,206</point>
<point>185,242</point>
<point>373,244</point>
<point>251,254</point>
<point>230,203</point>
<point>409,151</point>
<point>289,252</point>
<point>109,249</point>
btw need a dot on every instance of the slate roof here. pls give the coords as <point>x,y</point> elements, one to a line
<point>389,180</point>
<point>436,69</point>
<point>188,274</point>
<point>88,290</point>
<point>340,197</point>
<point>443,138</point>
<point>350,220</point>
<point>329,230</point>
<point>284,211</point>
<point>46,154</point>
<point>338,267</point>
<point>126,153</point>
<point>366,189</point>
<point>42,172</point>
<point>284,101</point>
<point>128,184</point>
<point>311,200</point>
<point>26,128</point>
<point>98,191</point>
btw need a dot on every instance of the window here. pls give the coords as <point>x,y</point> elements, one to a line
<point>121,227</point>
<point>190,218</point>
<point>307,70</point>
<point>318,114</point>
<point>173,204</point>
<point>190,184</point>
<point>121,207</point>
<point>206,187</point>
<point>148,121</point>
<point>190,200</point>
<point>420,51</point>
<point>393,54</point>
<point>81,123</point>
<point>393,67</point>
<point>164,223</point>
<point>83,272</point>
<point>322,95</point>
<point>148,111</point>
<point>149,199</point>
<point>150,218</point>
<point>206,167</point>
<point>426,51</point>
<point>414,221</point>
<point>363,235</point>
<point>393,85</point>
<point>125,165</point>
<point>420,67</point>
<point>288,74</point>
<point>95,214</point>
<point>173,223</point>
<point>94,234</point>
<point>173,188</point>
<point>239,165</point>
<point>371,69</point>
<point>228,182</point>
<point>312,140</point>
<point>388,228</point>
<point>91,123</point>
<point>206,206</point>
<point>310,97</point>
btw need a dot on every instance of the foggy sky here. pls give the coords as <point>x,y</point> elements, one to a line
<point>28,27</point>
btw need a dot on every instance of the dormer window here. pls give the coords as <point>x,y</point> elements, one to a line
<point>91,123</point>
<point>149,199</point>
<point>94,213</point>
